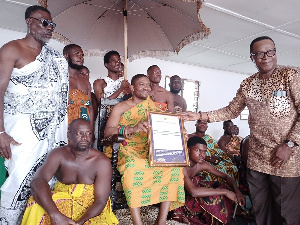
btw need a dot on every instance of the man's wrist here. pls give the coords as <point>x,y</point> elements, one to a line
<point>290,143</point>
<point>200,115</point>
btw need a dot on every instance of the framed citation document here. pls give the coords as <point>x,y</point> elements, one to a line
<point>166,140</point>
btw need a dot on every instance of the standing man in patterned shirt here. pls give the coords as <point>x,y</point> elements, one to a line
<point>273,98</point>
<point>33,108</point>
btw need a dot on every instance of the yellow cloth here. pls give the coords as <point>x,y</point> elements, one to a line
<point>71,200</point>
<point>78,106</point>
<point>144,185</point>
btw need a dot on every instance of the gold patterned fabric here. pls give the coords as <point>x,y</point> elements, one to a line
<point>144,185</point>
<point>71,200</point>
<point>225,165</point>
<point>234,145</point>
<point>274,105</point>
<point>79,104</point>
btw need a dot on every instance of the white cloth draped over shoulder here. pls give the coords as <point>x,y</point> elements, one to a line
<point>112,86</point>
<point>35,115</point>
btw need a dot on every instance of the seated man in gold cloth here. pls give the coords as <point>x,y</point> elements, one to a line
<point>84,180</point>
<point>143,185</point>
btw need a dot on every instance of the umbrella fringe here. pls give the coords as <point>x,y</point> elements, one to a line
<point>138,55</point>
<point>191,38</point>
<point>95,53</point>
<point>198,36</point>
<point>152,54</point>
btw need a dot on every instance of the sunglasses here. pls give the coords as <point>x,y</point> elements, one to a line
<point>45,22</point>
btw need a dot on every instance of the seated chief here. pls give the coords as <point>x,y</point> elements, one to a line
<point>84,181</point>
<point>143,185</point>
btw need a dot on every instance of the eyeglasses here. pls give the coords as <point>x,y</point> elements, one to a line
<point>45,22</point>
<point>261,55</point>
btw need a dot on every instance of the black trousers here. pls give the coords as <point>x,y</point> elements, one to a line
<point>275,200</point>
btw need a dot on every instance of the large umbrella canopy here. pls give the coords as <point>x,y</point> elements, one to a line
<point>155,27</point>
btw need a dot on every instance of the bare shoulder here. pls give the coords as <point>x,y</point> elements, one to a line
<point>123,106</point>
<point>161,89</point>
<point>61,150</point>
<point>98,154</point>
<point>59,153</point>
<point>13,44</point>
<point>13,48</point>
<point>100,159</point>
<point>205,166</point>
<point>99,82</point>
<point>191,171</point>
<point>169,94</point>
<point>222,139</point>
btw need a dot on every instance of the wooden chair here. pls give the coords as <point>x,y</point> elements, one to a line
<point>117,195</point>
<point>104,111</point>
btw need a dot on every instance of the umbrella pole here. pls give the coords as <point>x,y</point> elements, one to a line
<point>125,39</point>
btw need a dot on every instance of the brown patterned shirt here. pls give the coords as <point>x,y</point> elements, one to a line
<point>274,105</point>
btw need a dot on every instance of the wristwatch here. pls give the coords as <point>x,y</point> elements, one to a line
<point>289,143</point>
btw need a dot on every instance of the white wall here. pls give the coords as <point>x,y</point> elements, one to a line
<point>216,90</point>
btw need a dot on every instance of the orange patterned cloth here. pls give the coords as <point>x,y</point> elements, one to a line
<point>205,210</point>
<point>78,106</point>
<point>234,145</point>
<point>71,200</point>
<point>144,185</point>
<point>163,106</point>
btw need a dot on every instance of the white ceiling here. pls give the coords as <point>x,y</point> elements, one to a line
<point>233,23</point>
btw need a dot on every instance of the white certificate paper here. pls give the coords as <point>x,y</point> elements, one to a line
<point>167,142</point>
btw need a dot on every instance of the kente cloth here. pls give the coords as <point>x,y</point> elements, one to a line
<point>205,210</point>
<point>112,86</point>
<point>72,200</point>
<point>234,145</point>
<point>78,107</point>
<point>162,105</point>
<point>35,114</point>
<point>225,165</point>
<point>144,185</point>
<point>271,101</point>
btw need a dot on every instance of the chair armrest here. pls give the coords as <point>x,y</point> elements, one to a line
<point>116,138</point>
